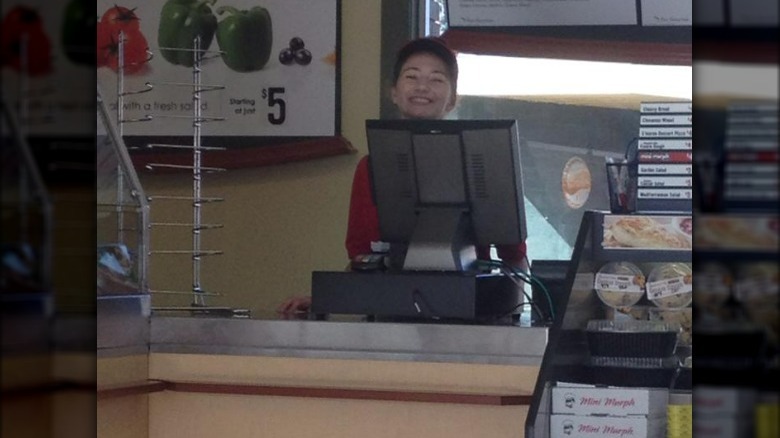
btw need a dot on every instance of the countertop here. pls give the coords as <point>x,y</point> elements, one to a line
<point>125,325</point>
<point>349,340</point>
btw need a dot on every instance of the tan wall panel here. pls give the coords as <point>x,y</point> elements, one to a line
<point>124,417</point>
<point>28,417</point>
<point>74,414</point>
<point>352,374</point>
<point>116,370</point>
<point>26,370</point>
<point>201,415</point>
<point>74,366</point>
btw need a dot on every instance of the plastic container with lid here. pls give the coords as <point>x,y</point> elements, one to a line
<point>631,377</point>
<point>757,288</point>
<point>711,285</point>
<point>619,284</point>
<point>683,317</point>
<point>670,285</point>
<point>757,282</point>
<point>631,338</point>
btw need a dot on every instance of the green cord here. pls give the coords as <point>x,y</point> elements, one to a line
<point>528,278</point>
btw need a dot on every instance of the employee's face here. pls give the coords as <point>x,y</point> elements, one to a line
<point>423,89</point>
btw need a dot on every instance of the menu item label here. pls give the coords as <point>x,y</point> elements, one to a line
<point>666,157</point>
<point>665,107</point>
<point>665,169</point>
<point>653,132</point>
<point>665,181</point>
<point>680,119</point>
<point>664,144</point>
<point>664,194</point>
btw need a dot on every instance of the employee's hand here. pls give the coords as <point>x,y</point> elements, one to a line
<point>294,307</point>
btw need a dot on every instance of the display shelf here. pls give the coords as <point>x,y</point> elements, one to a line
<point>738,340</point>
<point>645,240</point>
<point>197,200</point>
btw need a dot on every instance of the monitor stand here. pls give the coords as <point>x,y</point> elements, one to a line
<point>441,241</point>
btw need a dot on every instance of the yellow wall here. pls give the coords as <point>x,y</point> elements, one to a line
<point>280,222</point>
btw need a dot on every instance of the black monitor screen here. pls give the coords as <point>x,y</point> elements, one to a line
<point>427,174</point>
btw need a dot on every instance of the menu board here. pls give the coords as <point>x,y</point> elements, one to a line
<point>488,13</point>
<point>269,68</point>
<point>665,157</point>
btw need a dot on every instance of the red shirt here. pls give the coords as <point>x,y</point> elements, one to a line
<point>363,223</point>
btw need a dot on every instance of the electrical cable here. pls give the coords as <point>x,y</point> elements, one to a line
<point>535,280</point>
<point>511,274</point>
<point>528,278</point>
<point>531,302</point>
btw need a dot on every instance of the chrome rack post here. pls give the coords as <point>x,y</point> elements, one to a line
<point>197,199</point>
<point>120,118</point>
<point>143,241</point>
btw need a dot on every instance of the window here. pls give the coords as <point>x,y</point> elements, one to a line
<point>568,112</point>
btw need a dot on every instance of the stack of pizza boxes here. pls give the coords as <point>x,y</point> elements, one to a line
<point>665,157</point>
<point>723,412</point>
<point>592,411</point>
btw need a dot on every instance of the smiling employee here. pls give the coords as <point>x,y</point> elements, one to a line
<point>425,82</point>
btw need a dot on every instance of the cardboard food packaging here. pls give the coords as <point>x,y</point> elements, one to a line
<point>583,426</point>
<point>590,400</point>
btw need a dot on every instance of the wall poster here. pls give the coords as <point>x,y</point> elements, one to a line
<point>269,75</point>
<point>487,13</point>
<point>46,72</point>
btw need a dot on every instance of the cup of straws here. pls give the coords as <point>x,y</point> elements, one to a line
<point>621,181</point>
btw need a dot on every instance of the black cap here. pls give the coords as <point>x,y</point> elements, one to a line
<point>433,45</point>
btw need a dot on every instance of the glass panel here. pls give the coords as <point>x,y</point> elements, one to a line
<point>25,221</point>
<point>122,214</point>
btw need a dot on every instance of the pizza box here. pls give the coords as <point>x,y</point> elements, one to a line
<point>614,401</point>
<point>712,400</point>
<point>722,426</point>
<point>568,426</point>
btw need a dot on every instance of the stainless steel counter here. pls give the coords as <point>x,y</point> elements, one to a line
<point>510,345</point>
<point>126,326</point>
<point>123,325</point>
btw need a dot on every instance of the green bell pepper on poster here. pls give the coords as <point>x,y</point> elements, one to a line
<point>79,28</point>
<point>180,22</point>
<point>245,37</point>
